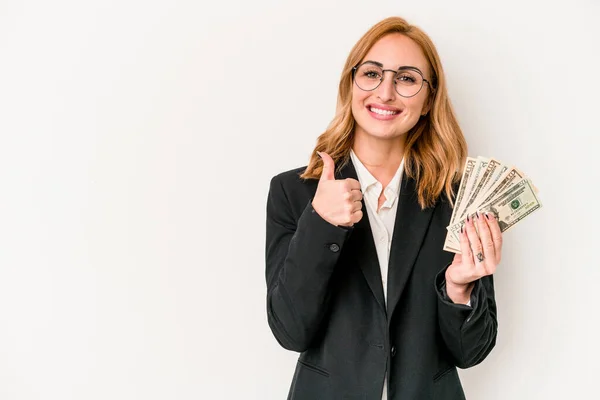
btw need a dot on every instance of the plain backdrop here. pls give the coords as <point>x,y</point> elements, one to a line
<point>138,139</point>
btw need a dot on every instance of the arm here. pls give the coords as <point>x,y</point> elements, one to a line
<point>468,332</point>
<point>300,259</point>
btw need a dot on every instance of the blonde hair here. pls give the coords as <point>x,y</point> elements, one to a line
<point>435,148</point>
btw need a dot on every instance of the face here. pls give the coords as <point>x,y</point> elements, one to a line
<point>382,112</point>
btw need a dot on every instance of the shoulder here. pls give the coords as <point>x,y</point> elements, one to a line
<point>289,194</point>
<point>290,185</point>
<point>289,177</point>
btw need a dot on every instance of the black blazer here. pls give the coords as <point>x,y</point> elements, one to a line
<point>325,300</point>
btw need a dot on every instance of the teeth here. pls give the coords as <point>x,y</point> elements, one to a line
<point>383,112</point>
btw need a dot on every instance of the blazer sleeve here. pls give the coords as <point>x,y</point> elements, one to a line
<point>468,332</point>
<point>300,259</point>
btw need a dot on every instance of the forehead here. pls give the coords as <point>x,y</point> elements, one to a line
<point>396,50</point>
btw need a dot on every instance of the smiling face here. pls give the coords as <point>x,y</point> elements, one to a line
<point>382,112</point>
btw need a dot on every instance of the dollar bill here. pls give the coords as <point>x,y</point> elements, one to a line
<point>500,171</point>
<point>487,185</point>
<point>514,204</point>
<point>490,167</point>
<point>466,175</point>
<point>512,176</point>
<point>474,170</point>
<point>480,165</point>
<point>451,247</point>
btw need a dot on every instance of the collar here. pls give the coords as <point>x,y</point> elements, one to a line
<point>366,179</point>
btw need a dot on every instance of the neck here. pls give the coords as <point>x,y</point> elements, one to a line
<point>381,157</point>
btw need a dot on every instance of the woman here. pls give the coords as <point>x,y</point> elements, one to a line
<point>360,286</point>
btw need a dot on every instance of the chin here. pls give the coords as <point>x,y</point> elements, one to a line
<point>384,132</point>
<point>384,129</point>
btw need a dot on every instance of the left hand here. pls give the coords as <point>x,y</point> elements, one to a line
<point>480,256</point>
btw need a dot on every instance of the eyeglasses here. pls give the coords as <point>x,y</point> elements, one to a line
<point>408,81</point>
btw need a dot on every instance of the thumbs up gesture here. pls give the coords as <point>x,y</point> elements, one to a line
<point>337,201</point>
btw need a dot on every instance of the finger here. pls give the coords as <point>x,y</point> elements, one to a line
<point>457,258</point>
<point>328,167</point>
<point>487,243</point>
<point>353,195</point>
<point>496,234</point>
<point>465,247</point>
<point>356,195</point>
<point>356,205</point>
<point>476,247</point>
<point>351,184</point>
<point>356,216</point>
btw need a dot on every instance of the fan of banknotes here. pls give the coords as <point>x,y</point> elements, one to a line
<point>489,186</point>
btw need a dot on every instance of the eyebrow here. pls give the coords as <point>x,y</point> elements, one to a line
<point>399,68</point>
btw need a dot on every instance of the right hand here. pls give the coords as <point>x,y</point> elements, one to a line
<point>338,202</point>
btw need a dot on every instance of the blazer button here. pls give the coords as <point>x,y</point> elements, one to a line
<point>334,247</point>
<point>393,351</point>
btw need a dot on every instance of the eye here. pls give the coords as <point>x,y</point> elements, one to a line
<point>371,74</point>
<point>406,78</point>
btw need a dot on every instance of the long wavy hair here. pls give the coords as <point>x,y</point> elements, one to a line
<point>435,148</point>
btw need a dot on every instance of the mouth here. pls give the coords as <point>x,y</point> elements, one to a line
<point>384,113</point>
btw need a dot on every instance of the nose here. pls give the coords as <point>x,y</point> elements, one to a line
<point>387,88</point>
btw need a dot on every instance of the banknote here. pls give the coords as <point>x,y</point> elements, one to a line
<point>500,171</point>
<point>485,169</point>
<point>450,243</point>
<point>466,177</point>
<point>490,167</point>
<point>505,182</point>
<point>480,165</point>
<point>488,185</point>
<point>509,208</point>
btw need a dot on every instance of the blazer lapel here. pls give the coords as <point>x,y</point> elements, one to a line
<point>409,231</point>
<point>363,245</point>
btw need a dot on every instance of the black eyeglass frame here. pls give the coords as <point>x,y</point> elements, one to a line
<point>383,71</point>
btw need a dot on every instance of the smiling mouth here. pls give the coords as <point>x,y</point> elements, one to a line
<point>383,112</point>
<point>380,112</point>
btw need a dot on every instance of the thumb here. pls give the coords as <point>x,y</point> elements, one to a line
<point>457,259</point>
<point>328,167</point>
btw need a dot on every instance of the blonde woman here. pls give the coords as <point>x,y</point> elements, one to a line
<point>357,281</point>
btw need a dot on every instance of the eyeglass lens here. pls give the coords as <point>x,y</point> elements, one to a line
<point>407,81</point>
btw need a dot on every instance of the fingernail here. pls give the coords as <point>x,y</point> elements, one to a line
<point>461,229</point>
<point>487,216</point>
<point>468,220</point>
<point>319,154</point>
<point>477,213</point>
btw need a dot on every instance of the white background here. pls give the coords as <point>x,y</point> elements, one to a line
<point>138,139</point>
